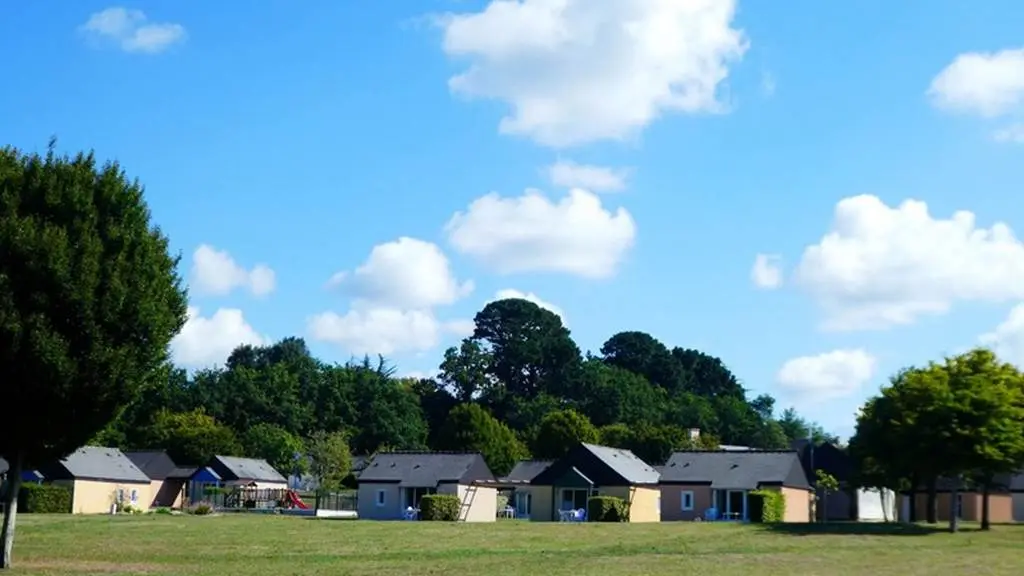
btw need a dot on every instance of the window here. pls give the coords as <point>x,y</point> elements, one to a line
<point>380,497</point>
<point>576,498</point>
<point>120,494</point>
<point>414,495</point>
<point>686,500</point>
<point>135,496</point>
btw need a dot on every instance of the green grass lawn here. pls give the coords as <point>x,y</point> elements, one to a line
<point>255,545</point>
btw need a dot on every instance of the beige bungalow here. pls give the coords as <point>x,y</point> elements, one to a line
<point>591,470</point>
<point>394,482</point>
<point>98,479</point>
<point>711,485</point>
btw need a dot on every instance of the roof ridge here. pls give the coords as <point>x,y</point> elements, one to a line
<point>430,452</point>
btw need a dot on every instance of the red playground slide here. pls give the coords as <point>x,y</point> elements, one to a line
<point>295,501</point>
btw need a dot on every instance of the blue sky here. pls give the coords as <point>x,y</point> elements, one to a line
<point>289,143</point>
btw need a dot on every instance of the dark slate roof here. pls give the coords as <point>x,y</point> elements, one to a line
<point>1017,482</point>
<point>601,465</point>
<point>233,468</point>
<point>3,466</point>
<point>154,463</point>
<point>625,464</point>
<point>359,464</point>
<point>182,473</point>
<point>426,469</point>
<point>95,463</point>
<point>736,470</point>
<point>526,470</point>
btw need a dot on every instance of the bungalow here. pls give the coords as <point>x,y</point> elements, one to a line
<point>232,472</point>
<point>716,484</point>
<point>393,482</point>
<point>167,480</point>
<point>590,470</point>
<point>518,481</point>
<point>968,501</point>
<point>98,479</point>
<point>849,502</point>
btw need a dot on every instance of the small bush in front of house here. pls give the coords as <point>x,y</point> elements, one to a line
<point>440,507</point>
<point>161,510</point>
<point>44,499</point>
<point>771,503</point>
<point>607,509</point>
<point>201,509</point>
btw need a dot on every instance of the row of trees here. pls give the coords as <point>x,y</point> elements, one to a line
<point>90,298</point>
<point>961,419</point>
<point>519,387</point>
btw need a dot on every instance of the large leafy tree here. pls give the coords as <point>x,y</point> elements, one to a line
<point>986,431</point>
<point>642,354</point>
<point>531,351</point>
<point>279,447</point>
<point>560,431</point>
<point>329,459</point>
<point>465,370</point>
<point>90,298</point>
<point>707,375</point>
<point>608,394</point>
<point>470,428</point>
<point>962,419</point>
<point>190,438</point>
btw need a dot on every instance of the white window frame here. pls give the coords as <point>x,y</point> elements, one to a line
<point>683,495</point>
<point>381,498</point>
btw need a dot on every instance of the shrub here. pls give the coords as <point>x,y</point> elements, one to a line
<point>161,510</point>
<point>607,509</point>
<point>771,503</point>
<point>44,499</point>
<point>201,509</point>
<point>440,507</point>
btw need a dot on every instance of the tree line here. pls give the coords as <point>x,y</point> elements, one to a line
<point>518,387</point>
<point>960,420</point>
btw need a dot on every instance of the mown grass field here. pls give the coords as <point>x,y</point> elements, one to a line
<point>256,545</point>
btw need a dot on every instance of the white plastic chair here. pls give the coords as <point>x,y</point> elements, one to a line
<point>411,513</point>
<point>580,515</point>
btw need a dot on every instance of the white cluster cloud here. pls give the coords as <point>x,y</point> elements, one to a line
<point>767,271</point>
<point>987,84</point>
<point>881,266</point>
<point>407,273</point>
<point>568,174</point>
<point>395,293</point>
<point>531,233</point>
<point>131,31</point>
<point>531,297</point>
<point>837,374</point>
<point>205,342</point>
<point>577,71</point>
<point>215,272</point>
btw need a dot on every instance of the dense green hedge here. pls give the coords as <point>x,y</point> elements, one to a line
<point>607,509</point>
<point>440,507</point>
<point>44,499</point>
<point>772,504</point>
